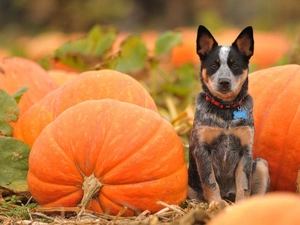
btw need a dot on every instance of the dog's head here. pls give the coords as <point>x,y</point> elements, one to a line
<point>224,69</point>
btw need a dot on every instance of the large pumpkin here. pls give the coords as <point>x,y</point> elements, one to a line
<point>277,122</point>
<point>89,85</point>
<point>18,72</point>
<point>272,209</point>
<point>132,154</point>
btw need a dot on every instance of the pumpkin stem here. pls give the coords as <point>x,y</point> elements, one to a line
<point>91,187</point>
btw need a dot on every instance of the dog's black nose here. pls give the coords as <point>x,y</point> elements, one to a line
<point>224,82</point>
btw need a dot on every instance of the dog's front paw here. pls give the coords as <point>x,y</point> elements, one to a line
<point>241,195</point>
<point>216,206</point>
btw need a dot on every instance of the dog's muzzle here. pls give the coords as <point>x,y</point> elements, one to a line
<point>224,85</point>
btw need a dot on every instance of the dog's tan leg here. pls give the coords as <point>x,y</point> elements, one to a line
<point>200,162</point>
<point>211,188</point>
<point>192,194</point>
<point>242,179</point>
<point>260,177</point>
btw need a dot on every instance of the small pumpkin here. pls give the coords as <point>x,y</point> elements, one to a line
<point>61,77</point>
<point>88,85</point>
<point>277,121</point>
<point>186,52</point>
<point>18,72</point>
<point>130,153</point>
<point>43,44</point>
<point>272,209</point>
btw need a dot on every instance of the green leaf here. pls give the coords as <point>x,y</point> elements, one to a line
<point>17,96</point>
<point>101,40</point>
<point>167,41</point>
<point>184,84</point>
<point>83,52</point>
<point>45,63</point>
<point>9,110</point>
<point>71,54</point>
<point>133,55</point>
<point>72,47</point>
<point>6,129</point>
<point>13,163</point>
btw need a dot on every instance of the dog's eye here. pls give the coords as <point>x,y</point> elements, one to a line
<point>214,66</point>
<point>234,66</point>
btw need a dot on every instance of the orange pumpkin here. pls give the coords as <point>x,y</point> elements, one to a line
<point>132,154</point>
<point>61,77</point>
<point>186,52</point>
<point>18,72</point>
<point>271,209</point>
<point>277,122</point>
<point>89,85</point>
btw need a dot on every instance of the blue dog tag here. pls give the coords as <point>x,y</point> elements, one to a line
<point>240,114</point>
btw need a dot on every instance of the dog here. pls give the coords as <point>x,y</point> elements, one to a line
<point>221,166</point>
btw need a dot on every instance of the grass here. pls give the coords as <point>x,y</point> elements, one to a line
<point>13,207</point>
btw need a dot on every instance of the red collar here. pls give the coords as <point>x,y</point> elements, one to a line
<point>220,105</point>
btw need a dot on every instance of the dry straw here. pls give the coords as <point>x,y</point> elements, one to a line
<point>171,214</point>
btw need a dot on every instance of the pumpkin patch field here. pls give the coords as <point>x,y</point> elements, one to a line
<point>97,132</point>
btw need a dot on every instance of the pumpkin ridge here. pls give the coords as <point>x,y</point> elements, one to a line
<point>145,100</point>
<point>270,104</point>
<point>125,187</point>
<point>78,185</point>
<point>63,186</point>
<point>147,181</point>
<point>97,202</point>
<point>103,194</point>
<point>283,150</point>
<point>72,160</point>
<point>60,199</point>
<point>67,157</point>
<point>71,154</point>
<point>113,202</point>
<point>51,182</point>
<point>65,196</point>
<point>53,103</point>
<point>116,109</point>
<point>140,147</point>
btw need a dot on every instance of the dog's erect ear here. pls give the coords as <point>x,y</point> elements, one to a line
<point>245,42</point>
<point>205,42</point>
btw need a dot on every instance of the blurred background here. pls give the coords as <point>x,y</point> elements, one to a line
<point>53,22</point>
<point>35,29</point>
<point>34,16</point>
<point>21,19</point>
